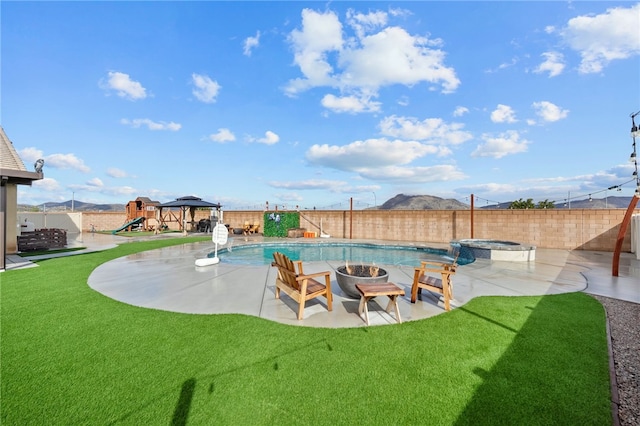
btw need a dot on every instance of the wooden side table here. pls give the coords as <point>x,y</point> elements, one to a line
<point>369,291</point>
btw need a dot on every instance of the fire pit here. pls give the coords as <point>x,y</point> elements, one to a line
<point>350,275</point>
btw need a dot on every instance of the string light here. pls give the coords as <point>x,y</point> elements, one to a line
<point>590,195</point>
<point>635,132</point>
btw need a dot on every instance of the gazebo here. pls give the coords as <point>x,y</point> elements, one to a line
<point>190,203</point>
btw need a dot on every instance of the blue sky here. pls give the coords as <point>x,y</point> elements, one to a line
<point>311,104</point>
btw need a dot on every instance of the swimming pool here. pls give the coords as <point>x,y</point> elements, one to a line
<point>262,254</point>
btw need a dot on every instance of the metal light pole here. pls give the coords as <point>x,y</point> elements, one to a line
<point>375,202</point>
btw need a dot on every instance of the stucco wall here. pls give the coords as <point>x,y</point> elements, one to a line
<point>71,222</point>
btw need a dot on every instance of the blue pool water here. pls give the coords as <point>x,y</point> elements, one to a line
<point>262,254</point>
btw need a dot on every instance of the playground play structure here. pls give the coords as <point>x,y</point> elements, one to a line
<point>142,207</point>
<point>141,213</point>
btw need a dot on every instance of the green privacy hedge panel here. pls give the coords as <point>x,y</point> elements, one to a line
<point>276,224</point>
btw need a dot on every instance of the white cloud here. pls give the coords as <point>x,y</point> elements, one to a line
<point>492,189</point>
<point>56,161</point>
<point>321,33</point>
<point>506,65</point>
<point>151,125</point>
<point>95,182</point>
<point>439,173</point>
<point>503,66</point>
<point>120,190</point>
<point>223,135</point>
<point>431,130</point>
<point>393,56</point>
<point>600,39</point>
<point>358,188</point>
<point>502,145</point>
<point>399,12</point>
<point>47,185</point>
<point>206,90</point>
<point>366,23</point>
<point>460,111</point>
<point>367,155</point>
<point>351,104</point>
<point>66,161</point>
<point>503,114</point>
<point>289,196</point>
<point>269,138</point>
<point>116,173</point>
<point>96,186</point>
<point>311,184</point>
<point>122,84</point>
<point>30,155</point>
<point>549,112</point>
<point>250,43</point>
<point>553,64</point>
<point>361,64</point>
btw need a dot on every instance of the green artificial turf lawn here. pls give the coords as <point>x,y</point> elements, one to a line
<point>70,355</point>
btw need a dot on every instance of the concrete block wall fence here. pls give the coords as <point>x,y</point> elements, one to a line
<point>569,229</point>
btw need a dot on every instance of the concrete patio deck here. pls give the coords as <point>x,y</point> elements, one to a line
<point>167,279</point>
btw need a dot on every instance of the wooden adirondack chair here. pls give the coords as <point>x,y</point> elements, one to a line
<point>297,285</point>
<point>442,285</point>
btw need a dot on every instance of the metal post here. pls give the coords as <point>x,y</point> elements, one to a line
<point>472,211</point>
<point>351,218</point>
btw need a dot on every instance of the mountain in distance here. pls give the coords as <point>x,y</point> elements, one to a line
<point>595,203</point>
<point>78,206</point>
<point>422,202</point>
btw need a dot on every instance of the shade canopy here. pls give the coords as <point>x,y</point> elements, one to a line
<point>189,201</point>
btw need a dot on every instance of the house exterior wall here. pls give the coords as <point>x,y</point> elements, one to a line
<point>11,238</point>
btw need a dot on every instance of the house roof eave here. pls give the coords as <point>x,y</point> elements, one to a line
<point>19,177</point>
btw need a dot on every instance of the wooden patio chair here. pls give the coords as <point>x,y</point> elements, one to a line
<point>253,229</point>
<point>297,285</point>
<point>443,285</point>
